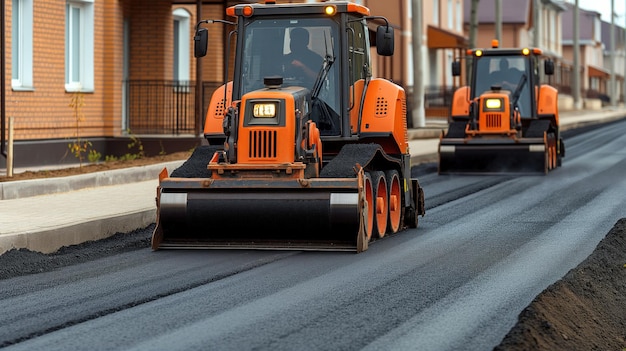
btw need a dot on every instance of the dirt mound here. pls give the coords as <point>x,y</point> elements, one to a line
<point>586,310</point>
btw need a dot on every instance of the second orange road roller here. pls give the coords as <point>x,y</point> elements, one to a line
<point>506,120</point>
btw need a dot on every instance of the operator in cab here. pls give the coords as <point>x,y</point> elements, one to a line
<point>302,63</point>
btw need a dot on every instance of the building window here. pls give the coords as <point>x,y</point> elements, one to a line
<point>22,45</point>
<point>79,23</point>
<point>181,45</point>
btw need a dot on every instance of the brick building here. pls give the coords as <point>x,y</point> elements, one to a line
<point>127,64</point>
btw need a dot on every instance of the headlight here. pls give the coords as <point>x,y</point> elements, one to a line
<point>264,110</point>
<point>493,104</point>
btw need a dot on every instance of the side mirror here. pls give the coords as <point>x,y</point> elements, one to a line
<point>548,67</point>
<point>384,40</point>
<point>200,42</point>
<point>456,68</point>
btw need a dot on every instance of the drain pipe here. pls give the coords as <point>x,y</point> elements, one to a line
<point>2,80</point>
<point>9,156</point>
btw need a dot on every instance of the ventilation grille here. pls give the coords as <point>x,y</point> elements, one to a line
<point>219,109</point>
<point>262,144</point>
<point>406,134</point>
<point>493,121</point>
<point>381,107</point>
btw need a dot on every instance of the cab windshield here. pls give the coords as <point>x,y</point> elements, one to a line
<point>505,72</point>
<point>296,50</point>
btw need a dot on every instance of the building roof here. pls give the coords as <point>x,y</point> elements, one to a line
<point>512,11</point>
<point>606,36</point>
<point>586,20</point>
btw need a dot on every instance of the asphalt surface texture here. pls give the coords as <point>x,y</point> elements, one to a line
<point>582,311</point>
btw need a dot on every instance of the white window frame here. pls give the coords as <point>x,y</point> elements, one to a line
<point>79,37</point>
<point>22,45</point>
<point>597,29</point>
<point>450,10</point>
<point>181,51</point>
<point>552,15</point>
<point>459,16</point>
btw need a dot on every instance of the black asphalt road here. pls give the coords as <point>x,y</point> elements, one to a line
<point>486,247</point>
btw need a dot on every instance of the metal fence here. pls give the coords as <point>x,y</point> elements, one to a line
<point>160,107</point>
<point>438,100</point>
<point>165,107</point>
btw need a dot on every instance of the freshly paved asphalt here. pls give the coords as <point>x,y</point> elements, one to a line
<point>45,215</point>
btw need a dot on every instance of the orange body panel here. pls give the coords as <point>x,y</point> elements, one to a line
<point>217,109</point>
<point>460,102</point>
<point>384,110</point>
<point>548,103</point>
<point>359,9</point>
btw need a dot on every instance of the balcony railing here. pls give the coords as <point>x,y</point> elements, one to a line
<point>165,106</point>
<point>160,107</point>
<point>437,101</point>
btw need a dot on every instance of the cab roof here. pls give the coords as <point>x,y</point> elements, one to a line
<point>270,8</point>
<point>505,52</point>
<point>495,50</point>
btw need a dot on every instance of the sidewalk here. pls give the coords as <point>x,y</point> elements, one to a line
<point>44,215</point>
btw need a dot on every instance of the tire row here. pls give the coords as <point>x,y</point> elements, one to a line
<point>383,193</point>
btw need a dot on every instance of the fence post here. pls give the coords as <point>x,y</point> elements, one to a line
<point>10,148</point>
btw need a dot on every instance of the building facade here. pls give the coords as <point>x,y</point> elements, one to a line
<point>111,71</point>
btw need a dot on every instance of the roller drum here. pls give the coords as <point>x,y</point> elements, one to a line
<point>489,159</point>
<point>269,218</point>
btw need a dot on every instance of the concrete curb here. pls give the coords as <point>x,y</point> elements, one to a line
<point>427,132</point>
<point>52,239</point>
<point>602,117</point>
<point>35,187</point>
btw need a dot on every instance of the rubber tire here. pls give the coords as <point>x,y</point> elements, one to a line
<point>394,192</point>
<point>381,203</point>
